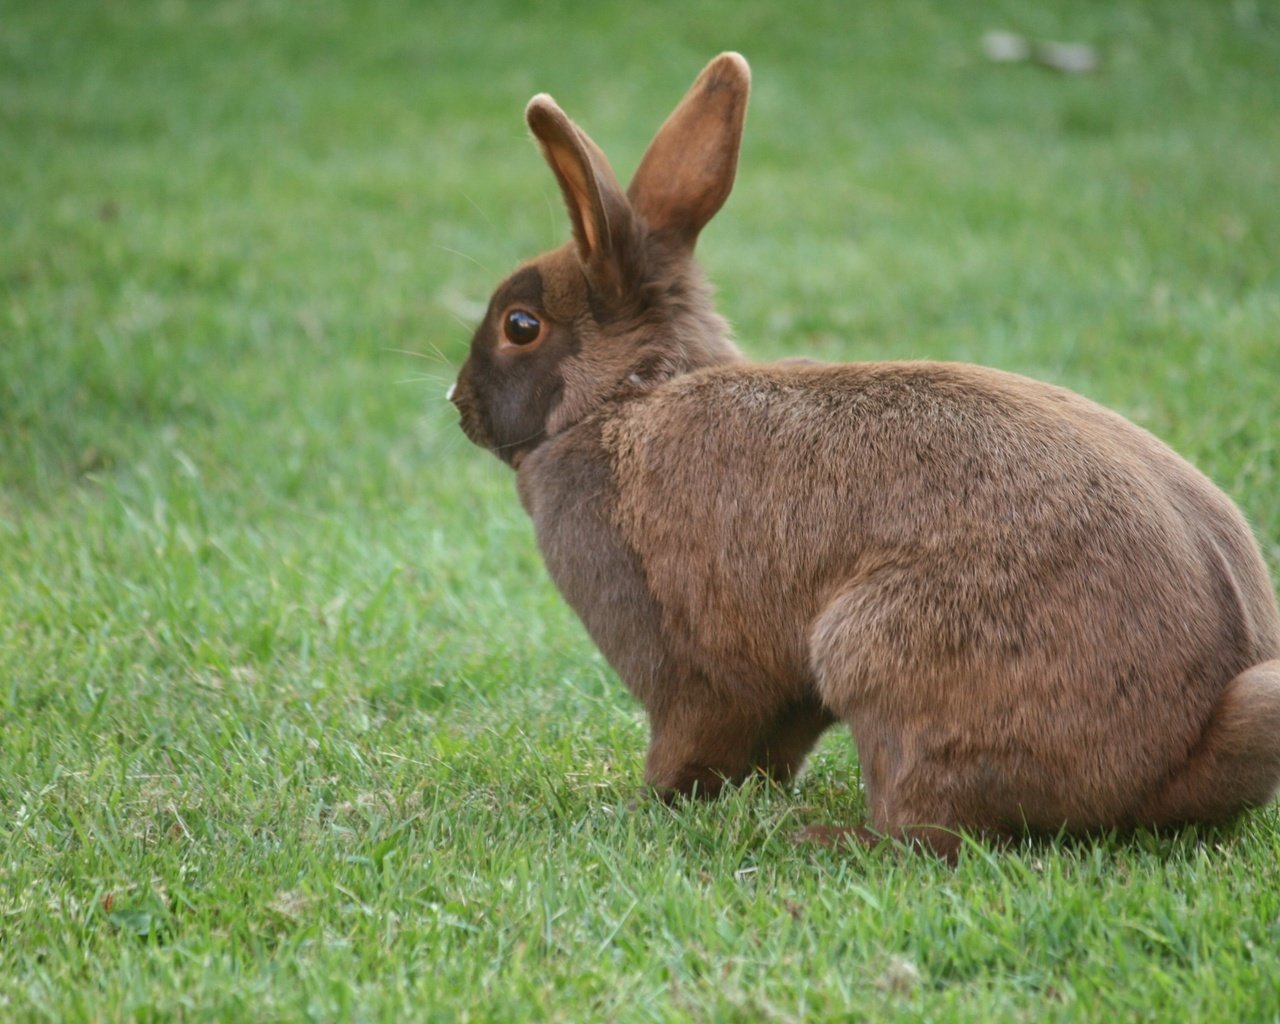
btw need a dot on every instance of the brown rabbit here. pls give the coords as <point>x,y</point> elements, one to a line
<point>1031,613</point>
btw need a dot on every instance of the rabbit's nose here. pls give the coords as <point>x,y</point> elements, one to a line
<point>448,395</point>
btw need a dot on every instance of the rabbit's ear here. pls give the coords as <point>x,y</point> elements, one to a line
<point>687,171</point>
<point>600,212</point>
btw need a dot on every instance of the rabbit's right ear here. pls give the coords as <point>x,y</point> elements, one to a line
<point>688,170</point>
<point>599,210</point>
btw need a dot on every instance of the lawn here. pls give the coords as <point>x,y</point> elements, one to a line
<point>293,726</point>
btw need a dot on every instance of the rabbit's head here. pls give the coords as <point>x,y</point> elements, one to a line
<point>622,306</point>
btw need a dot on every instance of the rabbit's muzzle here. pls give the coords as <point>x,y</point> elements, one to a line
<point>470,418</point>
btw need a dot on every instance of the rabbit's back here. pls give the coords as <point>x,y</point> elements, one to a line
<point>751,485</point>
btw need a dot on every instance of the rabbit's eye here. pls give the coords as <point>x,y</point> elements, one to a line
<point>521,327</point>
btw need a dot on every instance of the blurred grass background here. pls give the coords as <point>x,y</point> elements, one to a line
<point>292,724</point>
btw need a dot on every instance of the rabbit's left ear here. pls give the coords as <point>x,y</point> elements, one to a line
<point>599,211</point>
<point>687,172</point>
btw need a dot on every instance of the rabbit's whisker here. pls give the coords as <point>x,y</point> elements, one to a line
<point>463,255</point>
<point>515,444</point>
<point>434,356</point>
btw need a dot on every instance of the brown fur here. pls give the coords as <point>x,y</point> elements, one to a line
<point>1029,612</point>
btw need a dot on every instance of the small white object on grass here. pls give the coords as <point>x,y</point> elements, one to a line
<point>1005,47</point>
<point>900,977</point>
<point>1069,58</point>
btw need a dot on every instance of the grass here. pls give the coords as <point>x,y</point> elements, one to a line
<point>292,723</point>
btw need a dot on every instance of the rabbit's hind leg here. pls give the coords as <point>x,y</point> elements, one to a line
<point>931,767</point>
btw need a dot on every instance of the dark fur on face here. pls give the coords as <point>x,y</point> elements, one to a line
<point>1029,612</point>
<point>600,343</point>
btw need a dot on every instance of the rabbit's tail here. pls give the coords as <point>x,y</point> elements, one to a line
<point>1237,762</point>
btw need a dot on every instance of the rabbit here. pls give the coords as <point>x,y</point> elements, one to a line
<point>1032,615</point>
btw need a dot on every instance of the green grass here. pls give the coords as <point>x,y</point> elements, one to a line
<point>292,723</point>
